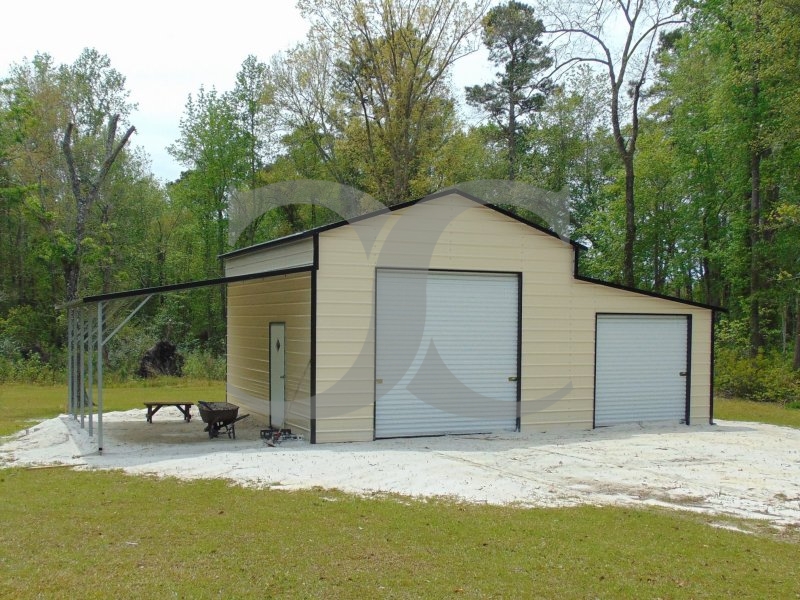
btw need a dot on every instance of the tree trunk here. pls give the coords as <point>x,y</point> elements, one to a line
<point>86,191</point>
<point>630,222</point>
<point>512,142</point>
<point>71,275</point>
<point>796,362</point>
<point>756,339</point>
<point>711,271</point>
<point>658,273</point>
<point>107,267</point>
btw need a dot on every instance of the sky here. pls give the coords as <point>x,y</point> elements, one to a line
<point>166,50</point>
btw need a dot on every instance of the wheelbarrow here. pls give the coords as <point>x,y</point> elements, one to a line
<point>218,416</point>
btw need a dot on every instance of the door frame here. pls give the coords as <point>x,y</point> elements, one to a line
<point>518,377</point>
<point>688,393</point>
<point>282,378</point>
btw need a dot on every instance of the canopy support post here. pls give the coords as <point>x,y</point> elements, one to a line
<point>81,357</point>
<point>89,375</point>
<point>70,404</point>
<point>100,377</point>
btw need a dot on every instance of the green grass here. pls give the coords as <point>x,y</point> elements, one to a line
<point>762,412</point>
<point>21,404</point>
<point>107,535</point>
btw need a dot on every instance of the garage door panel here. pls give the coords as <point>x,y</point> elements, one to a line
<point>449,415</point>
<point>639,364</point>
<point>446,346</point>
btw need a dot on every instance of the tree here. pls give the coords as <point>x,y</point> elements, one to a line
<point>94,91</point>
<point>80,106</point>
<point>253,98</point>
<point>588,31</point>
<point>86,189</point>
<point>392,58</point>
<point>310,111</point>
<point>701,160</point>
<point>35,109</point>
<point>216,150</point>
<point>747,92</point>
<point>569,146</point>
<point>54,244</point>
<point>512,33</point>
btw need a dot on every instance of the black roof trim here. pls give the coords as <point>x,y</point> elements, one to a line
<point>454,190</point>
<point>287,239</point>
<point>187,285</point>
<point>625,288</point>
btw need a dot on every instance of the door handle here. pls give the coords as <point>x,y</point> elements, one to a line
<point>683,373</point>
<point>379,381</point>
<point>513,378</point>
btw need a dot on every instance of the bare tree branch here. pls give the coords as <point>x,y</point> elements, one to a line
<point>86,193</point>
<point>111,155</point>
<point>66,148</point>
<point>642,20</point>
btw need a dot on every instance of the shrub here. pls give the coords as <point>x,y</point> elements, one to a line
<point>125,351</point>
<point>765,378</point>
<point>201,364</point>
<point>28,370</point>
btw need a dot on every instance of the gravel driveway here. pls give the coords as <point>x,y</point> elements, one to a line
<point>731,468</point>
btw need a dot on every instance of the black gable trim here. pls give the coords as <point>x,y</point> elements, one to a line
<point>389,209</point>
<point>626,288</point>
<point>577,246</point>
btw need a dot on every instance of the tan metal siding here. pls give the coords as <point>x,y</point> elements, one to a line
<point>293,254</point>
<point>252,305</point>
<point>597,298</point>
<point>558,313</point>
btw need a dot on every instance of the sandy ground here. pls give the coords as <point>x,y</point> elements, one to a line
<point>732,468</point>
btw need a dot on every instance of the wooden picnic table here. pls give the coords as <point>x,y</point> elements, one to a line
<point>155,406</point>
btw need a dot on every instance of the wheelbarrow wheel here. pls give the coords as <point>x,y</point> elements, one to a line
<point>213,430</point>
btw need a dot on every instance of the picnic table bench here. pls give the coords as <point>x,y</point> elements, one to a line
<point>154,407</point>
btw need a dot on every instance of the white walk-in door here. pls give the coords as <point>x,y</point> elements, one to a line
<point>277,374</point>
<point>446,352</point>
<point>641,368</point>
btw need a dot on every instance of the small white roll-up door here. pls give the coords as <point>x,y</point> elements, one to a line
<point>446,352</point>
<point>641,368</point>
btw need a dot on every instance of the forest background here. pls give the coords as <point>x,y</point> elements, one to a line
<point>674,128</point>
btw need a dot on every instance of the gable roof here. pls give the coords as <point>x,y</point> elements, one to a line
<point>389,209</point>
<point>578,247</point>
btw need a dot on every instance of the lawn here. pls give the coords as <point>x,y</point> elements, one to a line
<point>22,404</point>
<point>763,412</point>
<point>109,535</point>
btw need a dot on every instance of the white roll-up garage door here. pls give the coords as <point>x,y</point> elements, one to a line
<point>642,368</point>
<point>446,352</point>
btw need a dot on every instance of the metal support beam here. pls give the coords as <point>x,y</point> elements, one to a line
<point>126,319</point>
<point>89,381</point>
<point>100,377</point>
<point>73,368</point>
<point>81,380</point>
<point>70,406</point>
